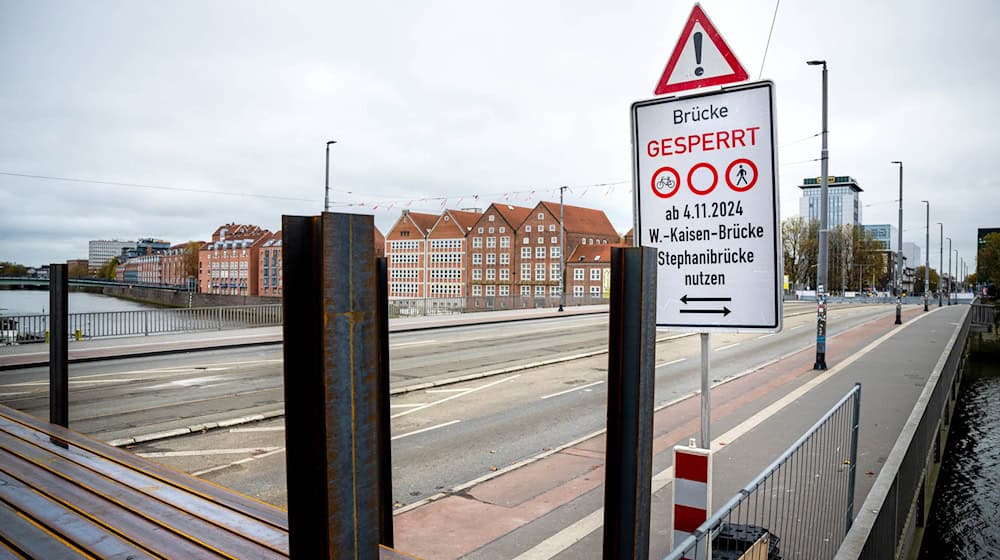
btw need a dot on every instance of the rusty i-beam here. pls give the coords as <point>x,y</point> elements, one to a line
<point>335,371</point>
<point>631,380</point>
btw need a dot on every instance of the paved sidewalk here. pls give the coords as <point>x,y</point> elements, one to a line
<point>552,507</point>
<point>33,355</point>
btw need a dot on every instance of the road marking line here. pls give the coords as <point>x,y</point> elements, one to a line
<point>411,405</point>
<point>571,390</point>
<point>240,462</point>
<point>765,336</point>
<point>422,430</point>
<point>580,529</point>
<point>796,327</point>
<point>720,349</point>
<point>446,399</point>
<point>445,390</point>
<point>200,452</point>
<point>672,362</point>
<point>261,429</point>
<point>414,343</point>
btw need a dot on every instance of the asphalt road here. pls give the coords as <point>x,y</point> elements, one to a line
<point>443,437</point>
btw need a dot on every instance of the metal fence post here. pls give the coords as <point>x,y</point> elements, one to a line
<point>331,362</point>
<point>59,345</point>
<point>855,426</point>
<point>631,377</point>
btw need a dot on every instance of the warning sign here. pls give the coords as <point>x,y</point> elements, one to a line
<point>707,198</point>
<point>700,59</point>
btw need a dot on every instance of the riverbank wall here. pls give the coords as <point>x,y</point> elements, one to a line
<point>168,298</point>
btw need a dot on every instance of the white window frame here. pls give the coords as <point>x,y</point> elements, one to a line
<point>595,274</point>
<point>577,274</point>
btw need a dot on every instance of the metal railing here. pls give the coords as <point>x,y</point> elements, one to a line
<point>898,501</point>
<point>418,307</point>
<point>983,314</point>
<point>800,506</point>
<point>21,329</point>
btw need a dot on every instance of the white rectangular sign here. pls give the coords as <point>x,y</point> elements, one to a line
<point>705,178</point>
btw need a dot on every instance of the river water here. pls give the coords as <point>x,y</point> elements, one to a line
<point>964,522</point>
<point>35,302</point>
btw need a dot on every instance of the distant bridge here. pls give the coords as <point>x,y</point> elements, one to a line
<point>28,282</point>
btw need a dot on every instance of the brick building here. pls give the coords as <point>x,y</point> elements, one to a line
<point>228,264</point>
<point>447,260</point>
<point>269,280</point>
<point>173,264</point>
<point>588,274</point>
<point>540,258</point>
<point>406,249</point>
<point>491,256</point>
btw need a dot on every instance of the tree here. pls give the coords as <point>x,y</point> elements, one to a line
<point>107,271</point>
<point>800,240</point>
<point>988,259</point>
<point>12,269</point>
<point>918,283</point>
<point>77,270</point>
<point>191,249</point>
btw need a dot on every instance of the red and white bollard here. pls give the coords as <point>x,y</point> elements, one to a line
<point>692,493</point>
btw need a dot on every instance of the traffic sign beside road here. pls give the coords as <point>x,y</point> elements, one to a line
<point>704,174</point>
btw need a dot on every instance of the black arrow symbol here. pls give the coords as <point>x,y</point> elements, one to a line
<point>724,311</point>
<point>686,299</point>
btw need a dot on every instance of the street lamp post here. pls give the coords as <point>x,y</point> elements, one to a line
<point>899,265</point>
<point>949,271</point>
<point>821,268</point>
<point>927,253</point>
<point>956,272</point>
<point>326,198</point>
<point>562,251</point>
<point>940,262</point>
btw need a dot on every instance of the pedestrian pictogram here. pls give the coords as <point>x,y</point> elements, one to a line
<point>709,160</point>
<point>700,59</point>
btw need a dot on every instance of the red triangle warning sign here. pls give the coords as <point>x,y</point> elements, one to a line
<point>700,59</point>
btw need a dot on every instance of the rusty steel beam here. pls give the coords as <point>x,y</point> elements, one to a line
<point>331,368</point>
<point>59,345</point>
<point>384,416</point>
<point>631,379</point>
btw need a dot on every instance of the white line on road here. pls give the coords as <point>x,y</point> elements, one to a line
<point>455,396</point>
<point>766,335</point>
<point>580,529</point>
<point>720,349</point>
<point>262,429</point>
<point>414,343</point>
<point>422,430</point>
<point>240,462</point>
<point>571,390</point>
<point>445,390</point>
<point>796,327</point>
<point>200,452</point>
<point>672,362</point>
<point>410,405</point>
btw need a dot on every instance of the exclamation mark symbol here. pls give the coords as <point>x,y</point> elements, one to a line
<point>698,71</point>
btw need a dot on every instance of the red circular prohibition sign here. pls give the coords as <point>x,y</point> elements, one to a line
<point>676,182</point>
<point>715,178</point>
<point>748,185</point>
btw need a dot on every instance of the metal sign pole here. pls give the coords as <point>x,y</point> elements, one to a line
<point>706,396</point>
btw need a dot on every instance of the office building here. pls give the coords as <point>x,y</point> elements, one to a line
<point>843,200</point>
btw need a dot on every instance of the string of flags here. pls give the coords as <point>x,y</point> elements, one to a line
<point>508,196</point>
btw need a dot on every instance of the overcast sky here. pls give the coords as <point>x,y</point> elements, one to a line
<point>434,103</point>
